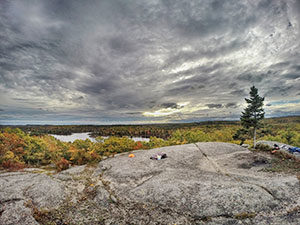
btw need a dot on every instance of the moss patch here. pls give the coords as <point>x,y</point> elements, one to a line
<point>244,215</point>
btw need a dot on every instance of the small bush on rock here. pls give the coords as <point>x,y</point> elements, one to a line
<point>262,147</point>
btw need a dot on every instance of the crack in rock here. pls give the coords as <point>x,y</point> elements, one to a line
<point>219,170</point>
<point>10,200</point>
<point>143,181</point>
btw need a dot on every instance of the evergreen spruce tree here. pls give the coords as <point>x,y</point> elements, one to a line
<point>253,113</point>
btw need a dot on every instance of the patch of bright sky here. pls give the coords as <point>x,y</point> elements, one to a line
<point>183,108</point>
<point>284,102</point>
<point>189,65</point>
<point>182,78</point>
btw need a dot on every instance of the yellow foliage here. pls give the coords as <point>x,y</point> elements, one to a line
<point>18,148</point>
<point>9,155</point>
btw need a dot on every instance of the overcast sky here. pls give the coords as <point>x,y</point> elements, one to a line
<point>134,61</point>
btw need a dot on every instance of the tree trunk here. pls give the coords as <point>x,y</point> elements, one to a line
<point>254,137</point>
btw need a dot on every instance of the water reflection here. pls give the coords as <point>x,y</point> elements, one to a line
<point>73,137</point>
<point>83,136</point>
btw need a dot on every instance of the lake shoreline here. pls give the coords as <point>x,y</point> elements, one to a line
<point>87,135</point>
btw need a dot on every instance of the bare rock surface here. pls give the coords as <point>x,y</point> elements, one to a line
<point>20,190</point>
<point>203,183</point>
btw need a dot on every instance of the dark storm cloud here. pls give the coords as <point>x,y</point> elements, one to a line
<point>118,58</point>
<point>171,105</point>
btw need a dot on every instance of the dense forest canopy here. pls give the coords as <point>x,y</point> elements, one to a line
<point>32,146</point>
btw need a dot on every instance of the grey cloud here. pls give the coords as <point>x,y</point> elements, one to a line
<point>151,104</point>
<point>184,89</point>
<point>292,76</point>
<point>252,78</point>
<point>121,46</point>
<point>215,49</point>
<point>231,105</point>
<point>98,86</point>
<point>279,113</point>
<point>171,105</point>
<point>240,92</point>
<point>232,85</point>
<point>296,67</point>
<point>264,4</point>
<point>118,57</point>
<point>197,79</point>
<point>214,106</point>
<point>281,65</point>
<point>279,91</point>
<point>133,113</point>
<point>20,99</point>
<point>199,23</point>
<point>206,69</point>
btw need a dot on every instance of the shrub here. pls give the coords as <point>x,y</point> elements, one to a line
<point>12,165</point>
<point>62,164</point>
<point>263,147</point>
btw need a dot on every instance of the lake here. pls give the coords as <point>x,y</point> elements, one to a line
<point>83,136</point>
